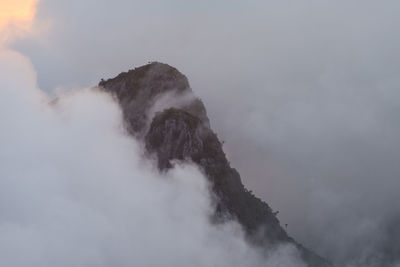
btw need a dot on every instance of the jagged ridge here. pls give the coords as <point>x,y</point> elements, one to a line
<point>184,134</point>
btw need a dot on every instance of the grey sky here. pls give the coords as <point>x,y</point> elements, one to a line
<point>305,94</point>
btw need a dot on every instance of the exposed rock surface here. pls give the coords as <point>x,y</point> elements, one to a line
<point>182,132</point>
<point>137,91</point>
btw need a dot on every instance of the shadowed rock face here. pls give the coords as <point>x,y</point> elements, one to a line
<point>182,132</point>
<point>137,90</point>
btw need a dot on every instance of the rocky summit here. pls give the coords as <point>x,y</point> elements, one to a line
<point>160,108</point>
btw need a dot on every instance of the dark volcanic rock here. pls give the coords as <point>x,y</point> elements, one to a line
<point>176,134</point>
<point>182,132</point>
<point>138,89</point>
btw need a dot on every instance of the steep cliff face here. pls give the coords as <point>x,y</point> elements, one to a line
<point>138,90</point>
<point>177,134</point>
<point>180,131</point>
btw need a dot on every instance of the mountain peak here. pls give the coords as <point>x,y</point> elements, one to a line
<point>140,89</point>
<point>156,77</point>
<point>161,109</point>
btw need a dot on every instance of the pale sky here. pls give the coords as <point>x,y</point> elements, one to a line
<point>16,10</point>
<point>16,13</point>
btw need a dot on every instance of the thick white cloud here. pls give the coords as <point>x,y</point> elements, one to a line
<point>76,191</point>
<point>305,94</point>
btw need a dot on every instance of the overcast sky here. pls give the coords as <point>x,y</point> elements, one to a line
<point>305,94</point>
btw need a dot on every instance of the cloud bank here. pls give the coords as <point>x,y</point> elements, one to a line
<point>76,191</point>
<point>305,94</point>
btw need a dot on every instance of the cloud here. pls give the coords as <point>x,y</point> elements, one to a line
<point>76,191</point>
<point>305,95</point>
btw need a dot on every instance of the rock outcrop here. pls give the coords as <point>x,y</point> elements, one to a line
<point>180,130</point>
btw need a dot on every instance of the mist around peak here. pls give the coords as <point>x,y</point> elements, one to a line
<point>77,191</point>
